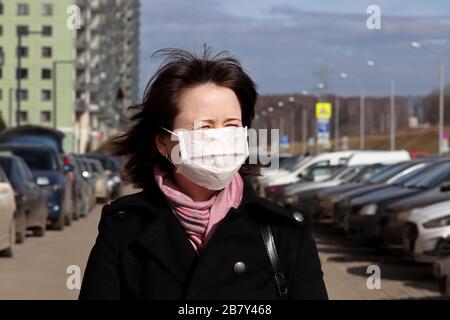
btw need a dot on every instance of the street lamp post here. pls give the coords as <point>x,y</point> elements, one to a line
<point>418,45</point>
<point>362,122</point>
<point>54,73</point>
<point>292,101</point>
<point>393,117</point>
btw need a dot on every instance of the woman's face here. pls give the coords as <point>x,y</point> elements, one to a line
<point>206,106</point>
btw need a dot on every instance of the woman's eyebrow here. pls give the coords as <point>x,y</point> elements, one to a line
<point>231,119</point>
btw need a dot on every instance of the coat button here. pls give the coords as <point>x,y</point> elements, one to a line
<point>298,216</point>
<point>239,267</point>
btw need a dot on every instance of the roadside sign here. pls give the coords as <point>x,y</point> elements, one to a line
<point>323,131</point>
<point>323,110</point>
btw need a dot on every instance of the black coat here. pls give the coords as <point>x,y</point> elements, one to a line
<point>142,252</point>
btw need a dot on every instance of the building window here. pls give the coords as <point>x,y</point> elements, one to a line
<point>46,74</point>
<point>1,30</point>
<point>46,116</point>
<point>47,31</point>
<point>23,116</point>
<point>22,95</point>
<point>1,94</point>
<point>47,9</point>
<point>1,8</point>
<point>22,30</point>
<point>22,52</point>
<point>22,9</point>
<point>1,73</point>
<point>22,73</point>
<point>46,52</point>
<point>46,95</point>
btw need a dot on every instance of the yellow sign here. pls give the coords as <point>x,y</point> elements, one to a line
<point>323,110</point>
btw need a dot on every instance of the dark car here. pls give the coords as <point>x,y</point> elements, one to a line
<point>393,219</point>
<point>91,178</point>
<point>51,176</point>
<point>395,176</point>
<point>31,204</point>
<point>364,217</point>
<point>113,172</point>
<point>80,188</point>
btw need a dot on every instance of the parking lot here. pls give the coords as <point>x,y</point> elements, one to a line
<point>345,263</point>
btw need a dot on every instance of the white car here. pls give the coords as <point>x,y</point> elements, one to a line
<point>441,270</point>
<point>324,159</point>
<point>426,230</point>
<point>7,221</point>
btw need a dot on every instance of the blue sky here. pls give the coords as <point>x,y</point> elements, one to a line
<point>283,44</point>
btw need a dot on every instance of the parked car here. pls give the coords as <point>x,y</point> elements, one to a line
<point>341,203</point>
<point>392,220</point>
<point>88,174</point>
<point>51,176</point>
<point>364,217</point>
<point>111,170</point>
<point>426,230</point>
<point>328,201</point>
<point>102,190</point>
<point>31,204</point>
<point>80,189</point>
<point>383,157</point>
<point>306,191</point>
<point>294,175</point>
<point>7,219</point>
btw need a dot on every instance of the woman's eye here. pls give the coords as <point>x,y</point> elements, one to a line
<point>232,125</point>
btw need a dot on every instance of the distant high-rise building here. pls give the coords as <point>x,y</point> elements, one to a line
<point>85,50</point>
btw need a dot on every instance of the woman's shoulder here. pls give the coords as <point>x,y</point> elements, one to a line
<point>126,205</point>
<point>291,215</point>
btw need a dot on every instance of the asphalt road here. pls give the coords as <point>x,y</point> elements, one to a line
<point>38,269</point>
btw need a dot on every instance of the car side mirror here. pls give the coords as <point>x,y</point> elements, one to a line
<point>445,186</point>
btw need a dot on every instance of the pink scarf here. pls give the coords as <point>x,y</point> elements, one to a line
<point>200,218</point>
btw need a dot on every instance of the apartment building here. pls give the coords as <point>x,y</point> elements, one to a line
<point>84,51</point>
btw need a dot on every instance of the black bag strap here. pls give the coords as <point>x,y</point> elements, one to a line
<point>274,260</point>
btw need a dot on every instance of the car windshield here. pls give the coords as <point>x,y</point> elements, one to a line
<point>96,167</point>
<point>430,178</point>
<point>402,179</point>
<point>367,173</point>
<point>38,159</point>
<point>389,172</point>
<point>288,163</point>
<point>348,173</point>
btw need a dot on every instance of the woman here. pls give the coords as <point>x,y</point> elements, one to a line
<point>197,230</point>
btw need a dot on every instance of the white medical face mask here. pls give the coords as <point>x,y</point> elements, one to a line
<point>211,157</point>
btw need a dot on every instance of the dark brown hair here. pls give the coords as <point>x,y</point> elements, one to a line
<point>179,71</point>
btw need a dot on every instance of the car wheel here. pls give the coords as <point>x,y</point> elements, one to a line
<point>21,228</point>
<point>442,285</point>
<point>68,219</point>
<point>8,252</point>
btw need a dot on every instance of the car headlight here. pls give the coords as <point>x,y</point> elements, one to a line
<point>369,209</point>
<point>56,187</point>
<point>438,223</point>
